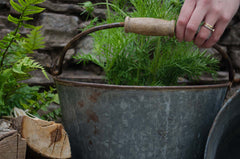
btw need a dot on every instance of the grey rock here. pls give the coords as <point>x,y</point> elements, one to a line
<point>69,56</point>
<point>71,9</point>
<point>221,76</point>
<point>85,46</point>
<point>5,24</point>
<point>83,24</point>
<point>231,36</point>
<point>38,78</point>
<point>234,53</point>
<point>100,13</point>
<point>58,29</point>
<point>25,31</point>
<point>91,67</point>
<point>61,8</point>
<point>44,59</point>
<point>214,53</point>
<point>4,4</point>
<point>70,53</point>
<point>4,32</point>
<point>76,74</point>
<point>50,108</point>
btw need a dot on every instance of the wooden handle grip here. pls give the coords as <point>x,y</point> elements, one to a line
<point>149,26</point>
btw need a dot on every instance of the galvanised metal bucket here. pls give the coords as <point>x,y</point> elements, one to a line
<point>136,122</point>
<point>223,140</point>
<point>130,122</point>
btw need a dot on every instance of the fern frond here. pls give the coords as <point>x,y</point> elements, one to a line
<point>28,26</point>
<point>23,66</point>
<point>34,40</point>
<point>25,8</point>
<point>35,1</point>
<point>16,6</point>
<point>33,9</point>
<point>4,77</point>
<point>22,3</point>
<point>30,12</point>
<point>15,65</point>
<point>4,42</point>
<point>13,19</point>
<point>17,68</point>
<point>26,18</point>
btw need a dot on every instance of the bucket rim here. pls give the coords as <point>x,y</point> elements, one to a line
<point>69,82</point>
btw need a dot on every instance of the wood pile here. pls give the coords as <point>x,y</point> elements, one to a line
<point>25,137</point>
<point>12,145</point>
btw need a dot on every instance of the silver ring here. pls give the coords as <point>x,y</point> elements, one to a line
<point>208,26</point>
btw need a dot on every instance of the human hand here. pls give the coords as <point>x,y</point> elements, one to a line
<point>215,13</point>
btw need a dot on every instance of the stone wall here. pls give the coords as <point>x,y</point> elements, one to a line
<point>231,40</point>
<point>61,21</point>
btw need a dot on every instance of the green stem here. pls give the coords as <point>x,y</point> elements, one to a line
<point>108,9</point>
<point>155,61</point>
<point>142,43</point>
<point>10,43</point>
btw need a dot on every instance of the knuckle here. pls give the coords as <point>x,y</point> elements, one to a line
<point>216,10</point>
<point>225,18</point>
<point>215,39</point>
<point>191,28</point>
<point>182,22</point>
<point>202,36</point>
<point>205,2</point>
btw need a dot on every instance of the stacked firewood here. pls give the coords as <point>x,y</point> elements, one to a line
<point>26,137</point>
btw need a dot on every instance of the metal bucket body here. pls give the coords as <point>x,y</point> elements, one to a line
<point>224,137</point>
<point>131,122</point>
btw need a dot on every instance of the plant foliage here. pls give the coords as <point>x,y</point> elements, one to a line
<point>15,64</point>
<point>131,59</point>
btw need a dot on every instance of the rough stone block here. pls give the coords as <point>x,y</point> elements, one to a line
<point>231,36</point>
<point>4,4</point>
<point>234,53</point>
<point>4,23</point>
<point>85,45</point>
<point>58,29</point>
<point>61,8</point>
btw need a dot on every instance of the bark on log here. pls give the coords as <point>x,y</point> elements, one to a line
<point>12,146</point>
<point>48,139</point>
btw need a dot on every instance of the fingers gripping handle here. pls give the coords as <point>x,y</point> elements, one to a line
<point>149,26</point>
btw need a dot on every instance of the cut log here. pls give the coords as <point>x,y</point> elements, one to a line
<point>48,139</point>
<point>12,146</point>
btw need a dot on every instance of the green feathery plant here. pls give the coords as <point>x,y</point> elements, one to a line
<point>131,59</point>
<point>15,64</point>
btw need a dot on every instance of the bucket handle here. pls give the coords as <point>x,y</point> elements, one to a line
<point>143,26</point>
